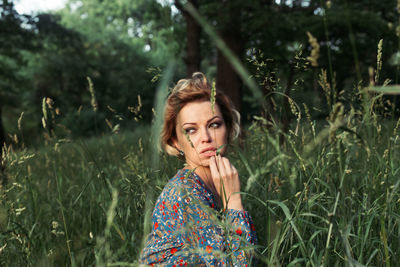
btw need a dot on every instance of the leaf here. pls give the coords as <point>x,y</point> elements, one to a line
<point>219,149</point>
<point>387,90</point>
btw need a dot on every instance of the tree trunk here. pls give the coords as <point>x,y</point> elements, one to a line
<point>228,81</point>
<point>193,31</point>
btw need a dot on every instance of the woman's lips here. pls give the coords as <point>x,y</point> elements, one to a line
<point>208,152</point>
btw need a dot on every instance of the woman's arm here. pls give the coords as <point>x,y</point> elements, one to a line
<point>242,235</point>
<point>185,228</point>
<point>226,181</point>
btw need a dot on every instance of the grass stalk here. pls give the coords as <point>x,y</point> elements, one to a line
<point>328,46</point>
<point>67,241</point>
<point>161,96</point>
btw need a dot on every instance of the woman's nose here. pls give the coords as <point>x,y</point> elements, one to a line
<point>205,135</point>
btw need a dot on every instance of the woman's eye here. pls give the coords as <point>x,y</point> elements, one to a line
<point>215,125</point>
<point>189,130</point>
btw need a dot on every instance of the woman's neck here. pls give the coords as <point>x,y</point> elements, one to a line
<point>205,174</point>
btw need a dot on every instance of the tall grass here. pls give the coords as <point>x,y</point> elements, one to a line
<point>325,193</point>
<point>329,199</point>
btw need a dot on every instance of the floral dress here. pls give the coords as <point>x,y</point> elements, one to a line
<point>187,229</point>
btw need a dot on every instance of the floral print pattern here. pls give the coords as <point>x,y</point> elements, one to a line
<point>187,229</point>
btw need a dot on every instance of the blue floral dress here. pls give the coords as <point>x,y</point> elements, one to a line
<point>187,229</point>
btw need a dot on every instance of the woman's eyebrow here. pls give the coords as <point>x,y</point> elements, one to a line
<point>189,123</point>
<point>216,116</point>
<point>193,123</point>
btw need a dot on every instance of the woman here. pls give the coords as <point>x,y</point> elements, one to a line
<point>186,224</point>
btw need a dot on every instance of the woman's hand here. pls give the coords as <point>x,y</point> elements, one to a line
<point>226,181</point>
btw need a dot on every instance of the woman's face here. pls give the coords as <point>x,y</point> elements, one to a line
<point>205,129</point>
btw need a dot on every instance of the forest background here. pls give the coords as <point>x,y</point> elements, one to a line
<point>121,46</point>
<point>78,77</point>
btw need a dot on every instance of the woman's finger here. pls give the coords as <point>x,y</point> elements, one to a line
<point>228,167</point>
<point>234,170</point>
<point>214,168</point>
<point>221,167</point>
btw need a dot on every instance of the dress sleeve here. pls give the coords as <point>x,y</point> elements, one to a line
<point>183,230</point>
<point>242,237</point>
<point>165,240</point>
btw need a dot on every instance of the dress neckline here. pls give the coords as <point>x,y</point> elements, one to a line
<point>200,181</point>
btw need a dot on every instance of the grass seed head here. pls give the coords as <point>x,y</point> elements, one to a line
<point>328,4</point>
<point>20,121</point>
<point>308,115</point>
<point>49,102</point>
<point>44,108</point>
<point>212,97</point>
<point>326,87</point>
<point>378,61</point>
<point>295,111</point>
<point>313,58</point>
<point>93,100</point>
<point>398,7</point>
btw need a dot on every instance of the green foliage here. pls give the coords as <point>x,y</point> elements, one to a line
<point>323,192</point>
<point>326,196</point>
<point>59,199</point>
<point>14,40</point>
<point>110,43</point>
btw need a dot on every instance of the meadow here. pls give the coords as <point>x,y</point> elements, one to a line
<point>326,193</point>
<point>319,157</point>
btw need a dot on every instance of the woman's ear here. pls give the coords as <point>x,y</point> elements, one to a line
<point>176,144</point>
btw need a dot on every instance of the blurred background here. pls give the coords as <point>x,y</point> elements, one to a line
<point>52,49</point>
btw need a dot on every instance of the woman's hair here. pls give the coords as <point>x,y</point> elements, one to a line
<point>194,89</point>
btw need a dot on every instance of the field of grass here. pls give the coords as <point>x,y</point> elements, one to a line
<point>324,194</point>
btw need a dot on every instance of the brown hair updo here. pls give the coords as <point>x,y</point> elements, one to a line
<point>189,90</point>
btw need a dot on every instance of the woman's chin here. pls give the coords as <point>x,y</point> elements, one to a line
<point>205,162</point>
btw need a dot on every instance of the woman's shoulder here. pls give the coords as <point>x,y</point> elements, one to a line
<point>185,185</point>
<point>185,182</point>
<point>177,188</point>
<point>183,178</point>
